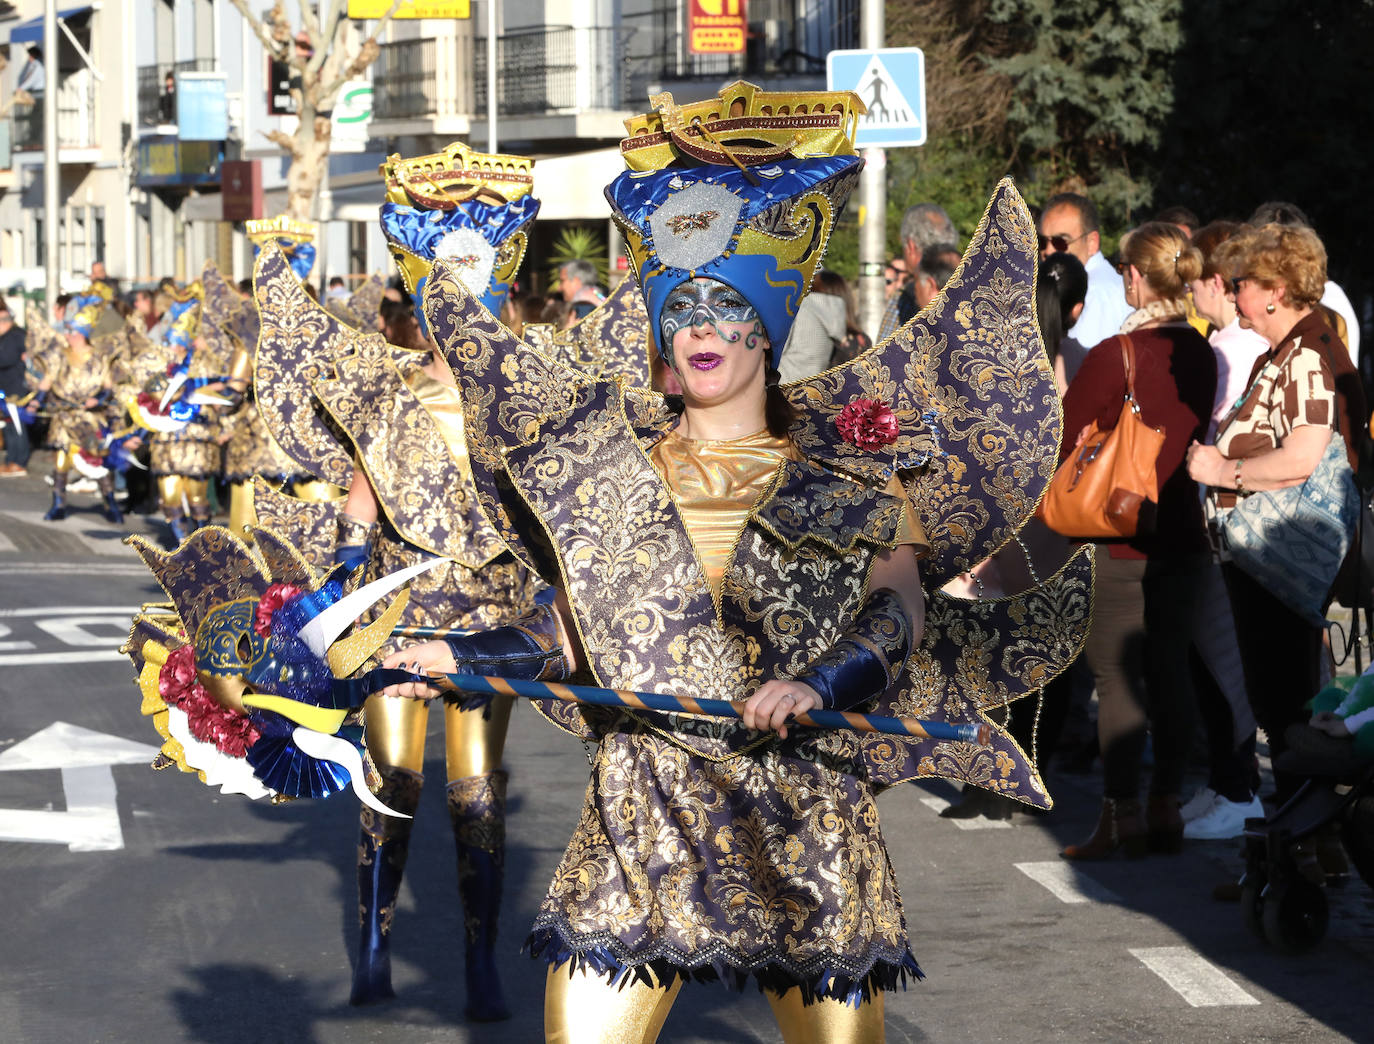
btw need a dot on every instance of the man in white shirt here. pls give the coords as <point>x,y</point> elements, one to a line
<point>1070,222</point>
<point>32,76</point>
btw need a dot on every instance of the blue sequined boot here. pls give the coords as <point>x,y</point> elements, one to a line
<point>58,511</point>
<point>477,810</point>
<point>383,843</point>
<point>181,527</point>
<point>111,510</point>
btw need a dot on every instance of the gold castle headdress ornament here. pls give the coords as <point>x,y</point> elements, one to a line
<point>743,188</point>
<point>471,208</point>
<point>296,239</point>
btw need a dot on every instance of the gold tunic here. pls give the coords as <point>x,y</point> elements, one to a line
<point>718,482</point>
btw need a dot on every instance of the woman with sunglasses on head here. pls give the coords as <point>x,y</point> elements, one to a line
<point>1146,587</point>
<point>1303,392</point>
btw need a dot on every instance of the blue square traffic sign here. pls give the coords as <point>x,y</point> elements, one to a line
<point>892,83</point>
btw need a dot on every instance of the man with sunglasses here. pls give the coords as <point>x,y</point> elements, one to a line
<point>1070,223</point>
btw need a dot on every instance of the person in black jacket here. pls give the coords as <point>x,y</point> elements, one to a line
<point>12,384</point>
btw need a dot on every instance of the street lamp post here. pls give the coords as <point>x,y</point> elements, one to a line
<point>51,168</point>
<point>873,197</point>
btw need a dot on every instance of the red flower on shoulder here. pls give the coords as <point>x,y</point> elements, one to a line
<point>868,424</point>
<point>273,599</point>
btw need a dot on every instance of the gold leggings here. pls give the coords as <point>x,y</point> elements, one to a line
<point>586,1009</point>
<point>241,513</point>
<point>473,745</point>
<point>170,490</point>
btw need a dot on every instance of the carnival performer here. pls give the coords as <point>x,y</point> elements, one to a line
<point>410,497</point>
<point>757,544</point>
<point>74,393</point>
<point>229,324</point>
<point>184,460</point>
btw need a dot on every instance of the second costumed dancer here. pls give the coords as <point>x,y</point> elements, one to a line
<point>759,544</point>
<point>410,498</point>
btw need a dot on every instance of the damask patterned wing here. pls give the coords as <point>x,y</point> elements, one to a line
<point>612,340</point>
<point>222,299</point>
<point>975,657</point>
<point>973,393</point>
<point>297,341</point>
<point>415,459</point>
<point>43,344</point>
<point>508,390</point>
<point>309,526</point>
<point>360,310</point>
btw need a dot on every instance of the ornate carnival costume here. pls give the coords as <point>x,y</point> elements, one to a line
<point>184,455</point>
<point>230,326</point>
<point>324,389</point>
<point>707,850</point>
<point>74,393</point>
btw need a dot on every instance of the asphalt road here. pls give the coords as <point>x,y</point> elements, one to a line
<point>144,906</point>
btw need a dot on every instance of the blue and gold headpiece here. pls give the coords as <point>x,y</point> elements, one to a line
<point>183,316</point>
<point>743,188</point>
<point>296,239</point>
<point>471,208</point>
<point>84,311</point>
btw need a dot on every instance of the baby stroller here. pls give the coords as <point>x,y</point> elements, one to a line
<point>1283,892</point>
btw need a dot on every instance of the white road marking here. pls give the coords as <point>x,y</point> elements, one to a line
<point>1198,981</point>
<point>977,823</point>
<point>84,630</point>
<point>75,656</point>
<point>21,644</point>
<point>73,610</point>
<point>91,821</point>
<point>1066,883</point>
<point>79,568</point>
<point>6,544</point>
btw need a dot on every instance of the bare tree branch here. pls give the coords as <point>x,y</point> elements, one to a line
<point>281,138</point>
<point>260,30</point>
<point>367,52</point>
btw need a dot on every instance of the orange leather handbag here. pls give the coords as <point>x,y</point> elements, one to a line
<point>1108,487</point>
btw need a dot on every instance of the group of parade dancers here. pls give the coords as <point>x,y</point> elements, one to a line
<point>111,394</point>
<point>742,540</point>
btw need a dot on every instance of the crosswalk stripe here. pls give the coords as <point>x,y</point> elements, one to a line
<point>1198,981</point>
<point>74,656</point>
<point>977,823</point>
<point>1066,883</point>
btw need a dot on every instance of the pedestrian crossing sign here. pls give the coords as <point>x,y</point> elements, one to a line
<point>892,83</point>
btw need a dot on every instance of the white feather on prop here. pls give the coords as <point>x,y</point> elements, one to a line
<point>319,633</point>
<point>91,471</point>
<point>159,422</point>
<point>232,775</point>
<point>345,755</point>
<point>177,380</point>
<point>204,398</point>
<point>14,416</point>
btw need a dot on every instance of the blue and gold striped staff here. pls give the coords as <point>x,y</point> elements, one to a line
<point>657,701</point>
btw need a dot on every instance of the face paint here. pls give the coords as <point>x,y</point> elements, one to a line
<point>708,302</point>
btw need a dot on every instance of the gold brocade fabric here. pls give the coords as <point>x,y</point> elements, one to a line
<point>716,483</point>
<point>71,424</point>
<point>443,404</point>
